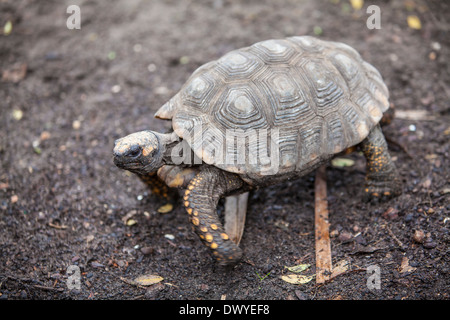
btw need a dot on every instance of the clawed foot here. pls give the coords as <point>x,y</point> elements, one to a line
<point>381,190</point>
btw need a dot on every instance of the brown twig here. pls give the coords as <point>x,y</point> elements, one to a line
<point>322,232</point>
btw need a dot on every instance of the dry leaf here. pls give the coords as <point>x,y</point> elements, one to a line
<point>405,267</point>
<point>17,114</point>
<point>7,28</point>
<point>297,278</point>
<point>165,208</point>
<point>342,162</point>
<point>357,4</point>
<point>131,222</point>
<point>148,279</point>
<point>299,268</point>
<point>414,22</point>
<point>341,267</point>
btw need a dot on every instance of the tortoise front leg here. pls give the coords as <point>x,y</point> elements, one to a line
<point>200,200</point>
<point>382,178</point>
<point>176,176</point>
<point>156,185</point>
<point>235,206</point>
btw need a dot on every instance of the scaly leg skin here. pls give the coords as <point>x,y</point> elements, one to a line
<point>235,206</point>
<point>200,200</point>
<point>382,178</point>
<point>156,185</point>
<point>176,176</point>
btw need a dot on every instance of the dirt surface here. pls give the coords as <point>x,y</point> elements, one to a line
<point>66,95</point>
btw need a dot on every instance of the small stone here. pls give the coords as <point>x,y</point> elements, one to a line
<point>45,135</point>
<point>419,236</point>
<point>137,47</point>
<point>184,60</point>
<point>76,124</point>
<point>390,214</point>
<point>96,264</point>
<point>429,244</point>
<point>345,236</point>
<point>116,88</point>
<point>147,250</point>
<point>334,233</point>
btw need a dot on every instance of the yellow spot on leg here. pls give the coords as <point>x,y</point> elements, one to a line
<point>214,245</point>
<point>209,237</point>
<point>214,227</point>
<point>195,221</point>
<point>224,236</point>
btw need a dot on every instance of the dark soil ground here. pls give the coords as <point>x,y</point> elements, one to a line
<point>66,95</point>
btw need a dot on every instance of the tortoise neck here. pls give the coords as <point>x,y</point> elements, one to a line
<point>167,143</point>
<point>176,151</point>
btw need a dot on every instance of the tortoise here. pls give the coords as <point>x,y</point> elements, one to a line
<point>258,116</point>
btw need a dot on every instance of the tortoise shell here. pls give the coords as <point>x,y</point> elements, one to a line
<point>300,98</point>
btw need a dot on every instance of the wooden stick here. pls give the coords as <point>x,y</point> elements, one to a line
<point>323,246</point>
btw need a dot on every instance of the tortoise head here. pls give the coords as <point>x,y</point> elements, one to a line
<point>139,152</point>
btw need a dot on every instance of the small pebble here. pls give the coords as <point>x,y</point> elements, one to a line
<point>345,236</point>
<point>96,264</point>
<point>147,250</point>
<point>419,236</point>
<point>390,214</point>
<point>151,67</point>
<point>169,236</point>
<point>76,124</point>
<point>334,233</point>
<point>436,46</point>
<point>429,244</point>
<point>137,47</point>
<point>116,89</point>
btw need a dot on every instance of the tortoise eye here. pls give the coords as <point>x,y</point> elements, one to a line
<point>134,151</point>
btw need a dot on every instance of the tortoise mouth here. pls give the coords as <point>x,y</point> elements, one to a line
<point>126,163</point>
<point>132,165</point>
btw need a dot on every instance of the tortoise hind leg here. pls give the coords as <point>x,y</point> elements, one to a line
<point>382,178</point>
<point>200,200</point>
<point>235,214</point>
